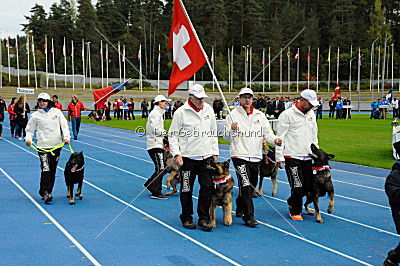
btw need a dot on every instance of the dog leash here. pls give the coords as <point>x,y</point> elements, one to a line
<point>36,148</point>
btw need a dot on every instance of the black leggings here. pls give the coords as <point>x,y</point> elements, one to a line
<point>48,164</point>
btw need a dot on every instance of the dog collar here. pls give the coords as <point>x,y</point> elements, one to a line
<point>80,169</point>
<point>221,180</point>
<point>320,168</point>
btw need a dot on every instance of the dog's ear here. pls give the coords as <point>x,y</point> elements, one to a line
<point>312,155</point>
<point>331,156</point>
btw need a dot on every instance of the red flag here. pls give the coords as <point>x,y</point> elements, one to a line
<point>188,55</point>
<point>308,56</point>
<point>297,56</point>
<point>337,92</point>
<point>101,95</point>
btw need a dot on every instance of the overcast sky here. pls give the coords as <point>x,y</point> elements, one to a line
<point>12,14</point>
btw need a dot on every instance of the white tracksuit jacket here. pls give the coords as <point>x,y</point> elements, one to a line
<point>51,128</point>
<point>246,142</point>
<point>298,131</point>
<point>192,133</point>
<point>155,128</point>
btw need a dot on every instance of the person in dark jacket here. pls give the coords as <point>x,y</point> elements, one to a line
<point>392,189</point>
<point>21,117</point>
<point>3,107</point>
<point>145,108</point>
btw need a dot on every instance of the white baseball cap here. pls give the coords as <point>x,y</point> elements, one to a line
<point>311,96</point>
<point>43,96</point>
<point>246,91</point>
<point>198,91</point>
<point>160,98</point>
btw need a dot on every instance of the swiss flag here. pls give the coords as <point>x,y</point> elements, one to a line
<point>188,56</point>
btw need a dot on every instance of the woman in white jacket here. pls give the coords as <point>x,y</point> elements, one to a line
<point>51,129</point>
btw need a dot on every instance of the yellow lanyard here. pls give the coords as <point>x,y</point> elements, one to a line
<point>51,150</point>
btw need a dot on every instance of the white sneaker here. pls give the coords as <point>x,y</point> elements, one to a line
<point>19,138</point>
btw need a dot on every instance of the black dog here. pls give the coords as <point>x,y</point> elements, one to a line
<point>268,168</point>
<point>74,173</point>
<point>321,182</point>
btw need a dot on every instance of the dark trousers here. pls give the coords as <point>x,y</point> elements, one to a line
<point>1,128</point>
<point>145,113</point>
<point>115,113</point>
<point>107,114</point>
<point>332,112</point>
<point>299,174</point>
<point>247,175</point>
<point>76,124</point>
<point>395,112</point>
<point>319,114</point>
<point>394,255</point>
<point>130,112</point>
<point>189,170</point>
<point>48,164</point>
<point>12,127</point>
<point>154,183</point>
<point>20,130</point>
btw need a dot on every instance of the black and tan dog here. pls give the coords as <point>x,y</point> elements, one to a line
<point>222,193</point>
<point>321,182</point>
<point>172,168</point>
<point>268,168</point>
<point>74,173</point>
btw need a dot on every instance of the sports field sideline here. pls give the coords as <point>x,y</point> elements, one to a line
<point>149,232</point>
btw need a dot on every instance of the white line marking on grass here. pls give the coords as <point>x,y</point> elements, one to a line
<point>54,221</point>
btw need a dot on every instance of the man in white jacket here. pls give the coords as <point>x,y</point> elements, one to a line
<point>51,129</point>
<point>298,129</point>
<point>155,147</point>
<point>194,142</point>
<point>247,129</point>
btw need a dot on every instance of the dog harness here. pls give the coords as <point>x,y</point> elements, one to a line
<point>320,168</point>
<point>221,180</point>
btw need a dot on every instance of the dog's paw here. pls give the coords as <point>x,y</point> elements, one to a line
<point>213,224</point>
<point>71,203</point>
<point>320,221</point>
<point>228,222</point>
<point>330,209</point>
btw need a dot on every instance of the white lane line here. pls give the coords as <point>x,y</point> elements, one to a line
<point>140,211</point>
<point>357,185</point>
<point>356,173</point>
<point>54,221</point>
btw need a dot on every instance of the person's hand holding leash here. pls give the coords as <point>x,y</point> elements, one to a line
<point>278,141</point>
<point>234,126</point>
<point>28,143</point>
<point>66,141</point>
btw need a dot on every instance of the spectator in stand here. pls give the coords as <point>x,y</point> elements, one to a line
<point>332,107</point>
<point>11,116</point>
<point>339,108</point>
<point>21,113</point>
<point>236,102</point>
<point>288,103</point>
<point>278,106</point>
<point>395,106</point>
<point>75,107</point>
<point>131,106</point>
<point>116,108</point>
<point>319,108</point>
<point>56,103</point>
<point>107,109</point>
<point>145,108</point>
<point>3,107</point>
<point>261,103</point>
<point>374,109</point>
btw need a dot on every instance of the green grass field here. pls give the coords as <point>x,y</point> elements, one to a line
<point>358,140</point>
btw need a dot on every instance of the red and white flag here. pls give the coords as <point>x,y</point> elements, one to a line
<point>188,56</point>
<point>297,56</point>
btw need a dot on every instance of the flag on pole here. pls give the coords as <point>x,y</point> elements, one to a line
<point>64,49</point>
<point>159,54</point>
<point>188,55</point>
<point>139,56</point>
<point>212,54</point>
<point>45,48</point>
<point>27,46</point>
<point>329,55</point>
<point>337,92</point>
<point>297,56</point>
<point>263,58</point>
<point>101,95</point>
<point>308,55</point>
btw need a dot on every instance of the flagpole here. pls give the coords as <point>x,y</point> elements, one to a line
<point>263,63</point>
<point>379,67</point>
<point>392,62</point>
<point>358,79</point>
<point>65,63</point>
<point>16,49</point>
<point>337,66</point>
<point>280,72</point>
<point>251,61</point>
<point>317,69</point>
<point>72,65</point>
<point>232,83</point>
<point>54,65</point>
<point>371,75</point>
<point>27,53</point>
<point>308,67</point>
<point>102,66</point>
<point>384,65</point>
<point>107,63</point>
<point>90,106</point>
<point>47,68</point>
<point>351,59</point>
<point>159,67</point>
<point>123,61</point>
<point>83,64</point>
<point>229,70</point>
<point>90,65</point>
<point>1,63</point>
<point>119,62</point>
<point>213,64</point>
<point>34,62</point>
<point>298,66</point>
<point>269,67</point>
<point>329,68</point>
<point>8,57</point>
<point>140,68</point>
<point>245,65</point>
<point>288,75</point>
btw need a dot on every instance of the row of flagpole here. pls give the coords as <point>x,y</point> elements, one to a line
<point>248,65</point>
<point>86,62</point>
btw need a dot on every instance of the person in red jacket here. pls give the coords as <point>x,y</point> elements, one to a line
<point>56,103</point>
<point>11,116</point>
<point>75,107</point>
<point>116,108</point>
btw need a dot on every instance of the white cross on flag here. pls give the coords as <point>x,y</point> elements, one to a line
<point>187,53</point>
